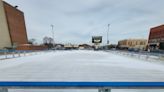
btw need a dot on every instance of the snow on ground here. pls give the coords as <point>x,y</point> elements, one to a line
<point>97,66</point>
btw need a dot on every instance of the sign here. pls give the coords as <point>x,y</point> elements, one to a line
<point>97,39</point>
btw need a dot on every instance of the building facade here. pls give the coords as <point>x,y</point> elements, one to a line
<point>5,40</point>
<point>140,44</point>
<point>156,38</point>
<point>12,28</point>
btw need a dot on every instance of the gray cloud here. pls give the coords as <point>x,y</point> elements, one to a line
<point>77,20</point>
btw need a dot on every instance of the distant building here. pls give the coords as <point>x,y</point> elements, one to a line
<point>31,47</point>
<point>156,38</point>
<point>59,47</point>
<point>133,44</point>
<point>85,47</point>
<point>68,46</point>
<point>12,26</point>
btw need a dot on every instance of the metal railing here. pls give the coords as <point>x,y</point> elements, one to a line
<point>100,86</point>
<point>141,55</point>
<point>8,54</point>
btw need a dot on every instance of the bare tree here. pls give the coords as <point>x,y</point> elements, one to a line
<point>32,41</point>
<point>45,40</point>
<point>48,41</point>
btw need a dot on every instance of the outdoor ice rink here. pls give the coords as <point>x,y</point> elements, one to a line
<point>81,66</point>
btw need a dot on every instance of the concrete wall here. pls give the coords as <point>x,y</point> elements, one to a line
<point>5,40</point>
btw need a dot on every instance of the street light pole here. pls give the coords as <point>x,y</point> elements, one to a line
<point>108,34</point>
<point>53,32</point>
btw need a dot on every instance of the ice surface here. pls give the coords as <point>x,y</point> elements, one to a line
<point>90,66</point>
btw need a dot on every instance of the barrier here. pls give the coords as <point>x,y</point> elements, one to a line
<point>101,86</point>
<point>141,55</point>
<point>7,54</point>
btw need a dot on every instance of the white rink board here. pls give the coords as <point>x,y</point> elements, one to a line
<point>80,66</point>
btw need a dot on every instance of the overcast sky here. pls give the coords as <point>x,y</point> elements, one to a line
<point>76,21</point>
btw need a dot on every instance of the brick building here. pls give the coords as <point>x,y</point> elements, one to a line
<point>139,44</point>
<point>156,38</point>
<point>12,26</point>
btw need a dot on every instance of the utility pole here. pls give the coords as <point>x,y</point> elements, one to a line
<point>53,33</point>
<point>108,34</point>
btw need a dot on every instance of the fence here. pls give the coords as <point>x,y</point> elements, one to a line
<point>100,86</point>
<point>142,55</point>
<point>7,54</point>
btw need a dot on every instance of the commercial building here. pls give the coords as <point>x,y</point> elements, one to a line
<point>12,26</point>
<point>139,44</point>
<point>156,38</point>
<point>85,47</point>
